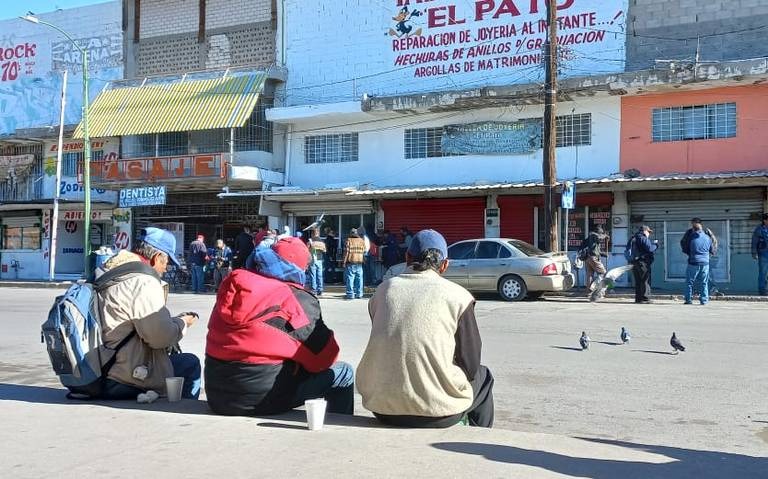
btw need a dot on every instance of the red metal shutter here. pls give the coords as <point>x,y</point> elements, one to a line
<point>517,216</point>
<point>456,219</point>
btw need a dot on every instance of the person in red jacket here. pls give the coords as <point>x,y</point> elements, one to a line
<point>268,349</point>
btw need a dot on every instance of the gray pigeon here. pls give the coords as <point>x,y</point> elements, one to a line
<point>676,344</point>
<point>584,341</point>
<point>625,337</point>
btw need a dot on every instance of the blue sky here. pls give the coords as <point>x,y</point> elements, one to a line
<point>15,8</point>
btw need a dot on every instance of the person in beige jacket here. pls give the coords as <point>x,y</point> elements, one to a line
<point>421,367</point>
<point>134,304</point>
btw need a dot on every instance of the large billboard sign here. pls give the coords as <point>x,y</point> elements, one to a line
<point>402,46</point>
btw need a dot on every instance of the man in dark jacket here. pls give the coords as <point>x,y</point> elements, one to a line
<point>685,242</point>
<point>592,253</point>
<point>198,256</point>
<point>243,247</point>
<point>268,349</point>
<point>760,253</point>
<point>643,250</point>
<point>699,248</point>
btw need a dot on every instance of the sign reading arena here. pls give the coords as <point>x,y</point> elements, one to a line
<point>144,196</point>
<point>399,46</point>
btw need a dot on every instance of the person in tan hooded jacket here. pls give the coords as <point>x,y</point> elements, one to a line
<point>134,304</point>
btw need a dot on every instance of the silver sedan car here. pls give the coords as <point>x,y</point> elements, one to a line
<point>513,268</point>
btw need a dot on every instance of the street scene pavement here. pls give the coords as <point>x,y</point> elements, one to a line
<point>615,410</point>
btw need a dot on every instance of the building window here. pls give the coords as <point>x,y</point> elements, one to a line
<point>700,122</point>
<point>138,146</point>
<point>423,143</point>
<point>256,135</point>
<point>21,237</point>
<point>173,143</point>
<point>336,148</point>
<point>72,162</point>
<point>574,130</point>
<point>208,141</point>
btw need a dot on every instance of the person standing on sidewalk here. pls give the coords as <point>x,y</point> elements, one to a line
<point>421,367</point>
<point>591,253</point>
<point>354,256</point>
<point>222,263</point>
<point>642,251</point>
<point>760,253</point>
<point>317,251</point>
<point>699,248</point>
<point>244,244</point>
<point>198,255</point>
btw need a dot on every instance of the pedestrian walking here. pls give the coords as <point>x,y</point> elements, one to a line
<point>640,252</point>
<point>198,256</point>
<point>591,253</point>
<point>244,243</point>
<point>354,256</point>
<point>760,253</point>
<point>699,248</point>
<point>221,263</point>
<point>317,251</point>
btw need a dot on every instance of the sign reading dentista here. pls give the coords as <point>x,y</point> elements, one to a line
<point>400,46</point>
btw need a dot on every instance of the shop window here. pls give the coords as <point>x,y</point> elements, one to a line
<point>576,228</point>
<point>601,215</point>
<point>21,237</point>
<point>699,122</point>
<point>336,148</point>
<point>257,133</point>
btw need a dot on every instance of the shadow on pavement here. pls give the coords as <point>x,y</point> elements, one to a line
<point>49,395</point>
<point>653,352</point>
<point>609,343</point>
<point>683,463</point>
<point>567,348</point>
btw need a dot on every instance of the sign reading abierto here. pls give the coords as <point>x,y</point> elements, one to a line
<point>144,196</point>
<point>492,137</point>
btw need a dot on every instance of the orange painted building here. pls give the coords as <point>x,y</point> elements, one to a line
<point>657,131</point>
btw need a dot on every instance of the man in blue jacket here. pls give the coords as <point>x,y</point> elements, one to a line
<point>760,253</point>
<point>699,249</point>
<point>643,250</point>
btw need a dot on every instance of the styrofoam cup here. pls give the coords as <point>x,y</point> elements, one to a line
<point>315,413</point>
<point>174,385</point>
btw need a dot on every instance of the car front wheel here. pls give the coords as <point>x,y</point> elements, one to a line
<point>512,288</point>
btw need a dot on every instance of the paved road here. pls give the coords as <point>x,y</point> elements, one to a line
<point>713,397</point>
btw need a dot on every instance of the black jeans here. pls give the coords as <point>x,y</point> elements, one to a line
<point>641,270</point>
<point>479,414</point>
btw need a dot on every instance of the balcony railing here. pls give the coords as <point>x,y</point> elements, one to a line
<point>159,169</point>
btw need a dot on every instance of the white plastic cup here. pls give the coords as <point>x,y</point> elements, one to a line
<point>174,385</point>
<point>315,413</point>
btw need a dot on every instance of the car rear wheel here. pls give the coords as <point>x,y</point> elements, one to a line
<point>512,288</point>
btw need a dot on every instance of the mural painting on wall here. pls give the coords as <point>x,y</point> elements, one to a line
<point>32,61</point>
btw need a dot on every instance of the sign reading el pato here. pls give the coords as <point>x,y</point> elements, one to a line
<point>451,37</point>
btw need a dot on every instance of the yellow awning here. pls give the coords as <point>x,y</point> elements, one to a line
<point>175,106</point>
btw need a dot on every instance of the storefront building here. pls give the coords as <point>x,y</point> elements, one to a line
<point>30,107</point>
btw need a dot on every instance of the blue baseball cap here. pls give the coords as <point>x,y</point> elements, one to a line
<point>427,239</point>
<point>162,240</point>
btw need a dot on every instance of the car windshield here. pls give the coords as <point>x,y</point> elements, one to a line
<point>525,248</point>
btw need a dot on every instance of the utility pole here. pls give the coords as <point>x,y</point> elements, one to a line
<point>549,168</point>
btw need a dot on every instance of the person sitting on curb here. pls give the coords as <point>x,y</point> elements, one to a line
<point>268,349</point>
<point>421,367</point>
<point>136,305</point>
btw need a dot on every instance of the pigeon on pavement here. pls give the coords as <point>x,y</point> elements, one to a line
<point>625,337</point>
<point>676,344</point>
<point>584,341</point>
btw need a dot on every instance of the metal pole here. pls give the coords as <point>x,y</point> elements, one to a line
<point>86,162</point>
<point>57,187</point>
<point>549,166</point>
